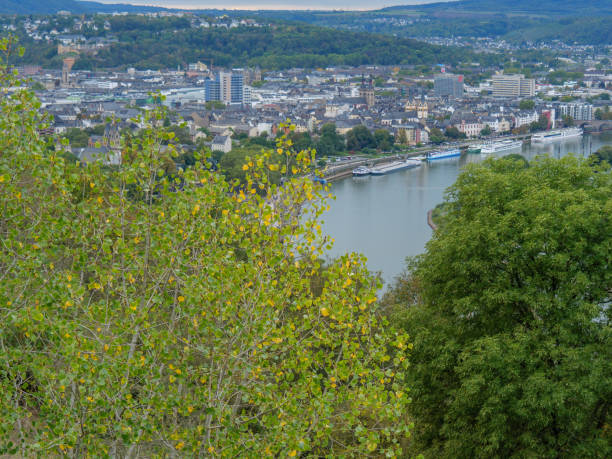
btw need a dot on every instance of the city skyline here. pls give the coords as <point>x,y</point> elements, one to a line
<point>275,4</point>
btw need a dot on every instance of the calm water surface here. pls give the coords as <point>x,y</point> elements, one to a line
<point>385,217</point>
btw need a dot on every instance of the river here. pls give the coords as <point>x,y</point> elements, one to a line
<point>385,217</point>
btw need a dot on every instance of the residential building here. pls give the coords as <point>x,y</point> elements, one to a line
<point>448,85</point>
<point>221,143</point>
<point>471,127</point>
<point>525,118</point>
<point>225,81</point>
<point>246,95</point>
<point>513,86</point>
<point>414,133</point>
<point>579,112</point>
<point>198,67</point>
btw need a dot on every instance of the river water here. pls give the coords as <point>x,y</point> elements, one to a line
<point>385,217</point>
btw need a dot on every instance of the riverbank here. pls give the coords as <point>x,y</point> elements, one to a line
<point>385,218</point>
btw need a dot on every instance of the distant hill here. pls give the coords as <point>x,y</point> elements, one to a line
<point>53,6</point>
<point>540,7</point>
<point>158,43</point>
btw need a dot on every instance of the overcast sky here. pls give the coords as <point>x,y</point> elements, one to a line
<point>274,4</point>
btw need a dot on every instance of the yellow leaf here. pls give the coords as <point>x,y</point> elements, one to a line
<point>292,453</point>
<point>324,312</point>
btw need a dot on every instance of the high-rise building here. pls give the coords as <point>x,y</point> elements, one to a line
<point>448,85</point>
<point>246,98</point>
<point>227,87</point>
<point>513,86</point>
<point>212,90</point>
<point>237,88</point>
<point>225,80</point>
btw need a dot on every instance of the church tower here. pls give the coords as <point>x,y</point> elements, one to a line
<point>367,91</point>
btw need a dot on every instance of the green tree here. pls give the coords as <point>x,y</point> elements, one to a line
<point>540,125</point>
<point>604,114</point>
<point>485,131</point>
<point>568,120</point>
<point>402,139</point>
<point>77,138</point>
<point>436,136</point>
<point>330,143</point>
<point>144,314</point>
<point>302,141</point>
<point>37,86</point>
<point>603,154</point>
<point>214,105</point>
<point>359,138</point>
<point>181,134</point>
<point>526,104</point>
<point>384,139</point>
<point>453,133</point>
<point>509,312</point>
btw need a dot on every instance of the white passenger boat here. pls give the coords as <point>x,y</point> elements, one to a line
<point>501,145</point>
<point>556,134</point>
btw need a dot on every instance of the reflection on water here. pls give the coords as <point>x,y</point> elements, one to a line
<point>385,217</point>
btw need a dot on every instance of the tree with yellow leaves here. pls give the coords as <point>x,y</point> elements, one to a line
<point>145,314</point>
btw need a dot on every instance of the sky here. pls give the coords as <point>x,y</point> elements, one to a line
<point>274,4</point>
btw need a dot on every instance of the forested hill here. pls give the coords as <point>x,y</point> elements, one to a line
<point>165,43</point>
<point>74,6</point>
<point>542,7</point>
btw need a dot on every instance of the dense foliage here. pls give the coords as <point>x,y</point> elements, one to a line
<point>509,312</point>
<point>517,21</point>
<point>148,43</point>
<point>149,315</point>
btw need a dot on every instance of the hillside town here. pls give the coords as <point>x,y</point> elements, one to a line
<point>416,105</point>
<point>217,104</point>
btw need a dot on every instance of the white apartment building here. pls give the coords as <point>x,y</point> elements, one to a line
<point>513,86</point>
<point>525,118</point>
<point>579,112</point>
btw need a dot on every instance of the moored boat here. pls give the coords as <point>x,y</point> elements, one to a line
<point>361,171</point>
<point>501,145</point>
<point>442,154</point>
<point>556,134</point>
<point>395,166</point>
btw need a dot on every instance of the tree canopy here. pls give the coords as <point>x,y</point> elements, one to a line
<point>148,314</point>
<point>509,313</point>
<point>359,138</point>
<point>330,142</point>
